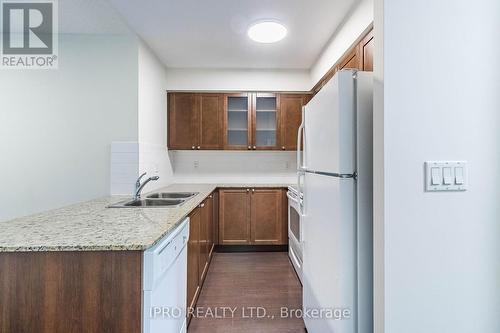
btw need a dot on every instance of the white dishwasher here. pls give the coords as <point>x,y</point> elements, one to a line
<point>165,283</point>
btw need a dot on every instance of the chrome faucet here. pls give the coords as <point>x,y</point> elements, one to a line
<point>139,186</point>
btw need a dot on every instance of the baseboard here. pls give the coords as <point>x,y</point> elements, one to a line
<point>251,248</point>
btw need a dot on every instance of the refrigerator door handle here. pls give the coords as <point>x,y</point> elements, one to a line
<point>301,154</point>
<point>301,203</point>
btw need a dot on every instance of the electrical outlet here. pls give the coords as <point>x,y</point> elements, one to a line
<point>196,164</point>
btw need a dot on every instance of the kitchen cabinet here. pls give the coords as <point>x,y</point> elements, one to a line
<point>206,236</point>
<point>195,121</point>
<point>234,216</point>
<point>215,222</point>
<point>351,60</point>
<point>210,110</point>
<point>211,212</point>
<point>237,121</point>
<point>240,121</point>
<point>266,121</point>
<point>182,121</point>
<point>266,217</point>
<point>359,56</point>
<point>71,291</point>
<point>291,117</point>
<point>251,216</point>
<point>200,247</point>
<point>367,46</point>
<point>252,121</point>
<point>193,260</point>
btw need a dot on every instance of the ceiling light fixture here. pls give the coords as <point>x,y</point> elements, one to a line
<point>267,32</point>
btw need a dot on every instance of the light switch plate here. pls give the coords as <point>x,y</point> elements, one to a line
<point>445,176</point>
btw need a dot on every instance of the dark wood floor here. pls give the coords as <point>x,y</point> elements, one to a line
<point>240,281</point>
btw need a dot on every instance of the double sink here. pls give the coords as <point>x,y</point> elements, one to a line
<point>162,199</point>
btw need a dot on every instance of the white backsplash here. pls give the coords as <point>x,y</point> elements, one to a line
<point>234,166</point>
<point>154,159</point>
<point>129,159</point>
<point>124,167</point>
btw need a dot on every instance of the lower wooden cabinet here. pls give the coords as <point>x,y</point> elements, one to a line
<point>266,217</point>
<point>200,247</point>
<point>206,236</point>
<point>193,257</point>
<point>234,216</point>
<point>251,216</point>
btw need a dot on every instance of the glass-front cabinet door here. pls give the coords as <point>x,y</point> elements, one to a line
<point>238,116</point>
<point>266,121</point>
<point>252,121</point>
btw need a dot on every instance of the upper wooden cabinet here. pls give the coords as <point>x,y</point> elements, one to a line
<point>366,51</point>
<point>237,121</point>
<point>352,60</point>
<point>252,121</point>
<point>240,121</point>
<point>211,107</point>
<point>266,121</point>
<point>182,121</point>
<point>359,56</point>
<point>291,117</point>
<point>195,121</point>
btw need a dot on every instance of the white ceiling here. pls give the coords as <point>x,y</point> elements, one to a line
<point>90,17</point>
<point>212,33</point>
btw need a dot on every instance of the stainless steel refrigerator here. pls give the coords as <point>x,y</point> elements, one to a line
<point>335,173</point>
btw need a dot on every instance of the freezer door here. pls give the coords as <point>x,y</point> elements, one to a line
<point>329,126</point>
<point>329,265</point>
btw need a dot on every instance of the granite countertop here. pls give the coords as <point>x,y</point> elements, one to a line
<point>90,226</point>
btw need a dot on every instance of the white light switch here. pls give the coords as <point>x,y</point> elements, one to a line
<point>445,176</point>
<point>459,175</point>
<point>435,176</point>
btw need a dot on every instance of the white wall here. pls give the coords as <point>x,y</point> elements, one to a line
<point>378,170</point>
<point>56,126</point>
<point>152,114</point>
<point>441,101</point>
<point>353,26</point>
<point>239,80</point>
<point>234,166</point>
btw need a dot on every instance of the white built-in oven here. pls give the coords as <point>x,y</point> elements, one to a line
<point>295,229</point>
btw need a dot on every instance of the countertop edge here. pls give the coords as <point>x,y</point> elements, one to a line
<point>142,246</point>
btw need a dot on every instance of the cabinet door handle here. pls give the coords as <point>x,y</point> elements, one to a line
<point>282,147</point>
<point>202,205</point>
<point>249,147</point>
<point>253,190</point>
<point>193,147</point>
<point>248,190</point>
<point>210,196</point>
<point>254,147</point>
<point>198,147</point>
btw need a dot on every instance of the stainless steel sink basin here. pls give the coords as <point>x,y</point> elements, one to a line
<point>148,203</point>
<point>172,195</point>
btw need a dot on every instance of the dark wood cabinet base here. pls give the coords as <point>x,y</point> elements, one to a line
<point>251,248</point>
<point>51,292</point>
